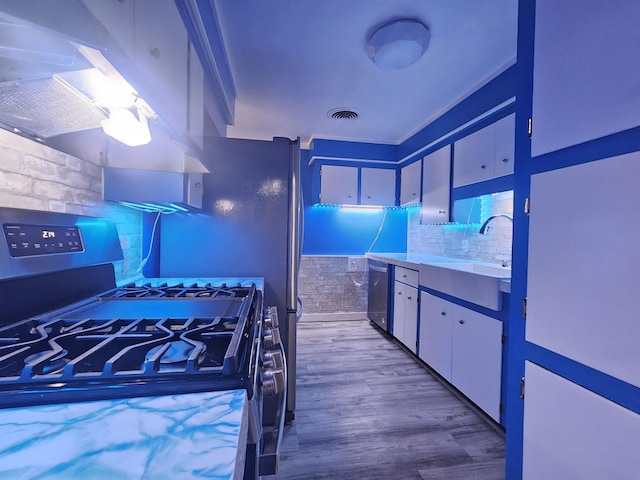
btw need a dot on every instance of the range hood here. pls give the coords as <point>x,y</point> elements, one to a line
<point>149,191</point>
<point>52,90</point>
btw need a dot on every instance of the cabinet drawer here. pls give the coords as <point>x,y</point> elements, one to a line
<point>405,275</point>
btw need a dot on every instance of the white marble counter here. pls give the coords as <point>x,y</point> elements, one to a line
<point>413,261</point>
<point>172,437</point>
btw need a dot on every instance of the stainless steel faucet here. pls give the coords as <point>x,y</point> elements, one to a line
<point>483,228</point>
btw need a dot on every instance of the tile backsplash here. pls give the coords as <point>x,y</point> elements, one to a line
<point>36,177</point>
<point>464,241</point>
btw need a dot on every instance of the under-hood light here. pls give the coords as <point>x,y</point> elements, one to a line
<point>123,125</point>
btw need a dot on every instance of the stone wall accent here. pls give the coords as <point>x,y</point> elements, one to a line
<point>325,286</point>
<point>36,177</point>
<point>464,241</point>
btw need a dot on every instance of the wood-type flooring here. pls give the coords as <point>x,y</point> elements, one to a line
<point>367,410</point>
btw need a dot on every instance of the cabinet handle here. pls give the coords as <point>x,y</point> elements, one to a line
<point>442,211</point>
<point>505,160</point>
<point>461,322</point>
<point>443,313</point>
<point>408,298</point>
<point>154,52</point>
<point>483,167</point>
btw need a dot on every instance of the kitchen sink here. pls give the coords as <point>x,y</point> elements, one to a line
<point>474,282</point>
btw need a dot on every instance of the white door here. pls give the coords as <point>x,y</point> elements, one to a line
<point>586,73</point>
<point>570,433</point>
<point>476,365</point>
<point>584,236</point>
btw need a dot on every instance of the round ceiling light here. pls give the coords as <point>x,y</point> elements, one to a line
<point>398,44</point>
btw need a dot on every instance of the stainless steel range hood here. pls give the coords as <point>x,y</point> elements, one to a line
<point>47,91</point>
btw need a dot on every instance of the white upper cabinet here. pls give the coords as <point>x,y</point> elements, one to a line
<point>588,87</point>
<point>338,185</point>
<point>485,154</point>
<point>161,50</point>
<point>436,177</point>
<point>117,16</point>
<point>378,187</point>
<point>584,232</point>
<point>410,183</point>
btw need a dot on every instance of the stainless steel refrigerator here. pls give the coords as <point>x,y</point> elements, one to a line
<point>250,225</point>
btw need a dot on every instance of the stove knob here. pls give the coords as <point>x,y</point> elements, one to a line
<point>271,318</point>
<point>272,359</point>
<point>271,337</point>
<point>273,381</point>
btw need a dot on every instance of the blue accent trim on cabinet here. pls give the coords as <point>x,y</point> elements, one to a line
<point>498,90</point>
<point>598,382</point>
<point>499,184</point>
<point>352,151</point>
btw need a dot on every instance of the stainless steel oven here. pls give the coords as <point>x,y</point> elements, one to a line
<point>68,333</point>
<point>378,295</point>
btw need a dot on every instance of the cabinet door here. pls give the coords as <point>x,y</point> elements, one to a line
<point>411,318</point>
<point>436,316</point>
<point>580,291</point>
<point>161,48</point>
<point>505,132</point>
<point>196,98</point>
<point>117,18</point>
<point>436,176</point>
<point>339,185</point>
<point>588,87</point>
<point>399,296</point>
<point>476,364</point>
<point>473,157</point>
<point>572,433</point>
<point>378,187</point>
<point>410,183</point>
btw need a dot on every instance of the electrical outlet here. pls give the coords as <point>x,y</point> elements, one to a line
<point>356,264</point>
<point>464,246</point>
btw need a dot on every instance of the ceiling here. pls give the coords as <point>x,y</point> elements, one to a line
<point>293,61</point>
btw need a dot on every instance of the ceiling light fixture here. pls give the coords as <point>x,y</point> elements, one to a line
<point>398,44</point>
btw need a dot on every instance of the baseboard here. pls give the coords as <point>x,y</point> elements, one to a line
<point>333,317</point>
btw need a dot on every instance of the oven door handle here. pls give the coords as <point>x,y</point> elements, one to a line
<point>272,434</point>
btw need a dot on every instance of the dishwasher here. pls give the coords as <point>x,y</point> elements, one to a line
<point>378,297</point>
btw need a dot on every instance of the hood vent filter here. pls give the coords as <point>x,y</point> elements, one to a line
<point>47,107</point>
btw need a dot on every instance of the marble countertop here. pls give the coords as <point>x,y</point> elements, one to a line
<point>413,260</point>
<point>172,437</point>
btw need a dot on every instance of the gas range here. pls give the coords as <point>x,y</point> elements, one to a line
<point>83,338</point>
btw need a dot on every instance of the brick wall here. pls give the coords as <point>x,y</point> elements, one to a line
<point>36,177</point>
<point>461,241</point>
<point>326,288</point>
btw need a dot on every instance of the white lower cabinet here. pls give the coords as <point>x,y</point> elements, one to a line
<point>405,307</point>
<point>571,433</point>
<point>465,347</point>
<point>436,330</point>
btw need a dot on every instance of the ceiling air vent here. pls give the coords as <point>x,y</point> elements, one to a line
<point>342,114</point>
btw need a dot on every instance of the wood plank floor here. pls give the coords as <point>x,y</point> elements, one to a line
<point>367,410</point>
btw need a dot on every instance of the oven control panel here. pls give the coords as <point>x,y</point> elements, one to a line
<point>26,240</point>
